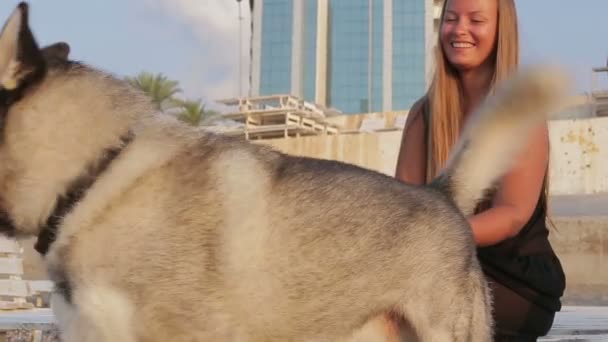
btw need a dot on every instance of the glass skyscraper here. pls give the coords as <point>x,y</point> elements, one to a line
<point>320,50</point>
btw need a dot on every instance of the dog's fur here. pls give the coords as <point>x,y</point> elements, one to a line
<point>191,236</point>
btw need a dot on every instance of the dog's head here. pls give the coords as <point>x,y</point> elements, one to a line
<point>56,117</point>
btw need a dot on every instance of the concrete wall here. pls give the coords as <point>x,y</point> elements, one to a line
<point>373,151</point>
<point>579,153</point>
<point>581,243</point>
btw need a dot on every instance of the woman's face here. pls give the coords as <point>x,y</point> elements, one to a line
<point>468,32</point>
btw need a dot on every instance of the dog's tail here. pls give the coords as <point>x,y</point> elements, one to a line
<point>497,132</point>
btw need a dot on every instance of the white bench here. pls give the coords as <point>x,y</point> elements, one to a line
<point>13,289</point>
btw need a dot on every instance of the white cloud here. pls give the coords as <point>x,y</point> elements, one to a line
<point>215,24</point>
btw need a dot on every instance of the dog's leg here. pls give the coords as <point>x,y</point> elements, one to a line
<point>481,325</point>
<point>423,329</point>
<point>65,317</point>
<point>378,329</point>
<point>72,327</point>
<point>101,314</point>
<point>461,313</point>
<point>469,317</point>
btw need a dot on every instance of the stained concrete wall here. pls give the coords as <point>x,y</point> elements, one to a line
<point>579,156</point>
<point>581,243</point>
<point>579,153</point>
<point>376,151</point>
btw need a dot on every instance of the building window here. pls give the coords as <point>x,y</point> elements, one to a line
<point>275,73</point>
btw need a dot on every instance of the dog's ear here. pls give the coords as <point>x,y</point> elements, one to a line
<point>20,57</point>
<point>58,51</point>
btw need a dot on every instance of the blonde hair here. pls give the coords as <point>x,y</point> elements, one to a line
<point>444,98</point>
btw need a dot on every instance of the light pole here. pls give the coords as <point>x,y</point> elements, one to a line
<point>370,56</point>
<point>240,76</point>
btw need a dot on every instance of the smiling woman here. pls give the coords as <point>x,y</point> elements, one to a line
<point>467,37</point>
<point>478,48</point>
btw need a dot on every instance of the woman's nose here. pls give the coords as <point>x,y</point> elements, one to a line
<point>461,27</point>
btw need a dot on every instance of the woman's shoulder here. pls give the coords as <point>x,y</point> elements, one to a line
<point>417,112</point>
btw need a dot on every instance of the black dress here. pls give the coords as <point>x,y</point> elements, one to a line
<point>527,280</point>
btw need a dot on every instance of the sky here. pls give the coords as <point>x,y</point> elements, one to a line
<point>196,42</point>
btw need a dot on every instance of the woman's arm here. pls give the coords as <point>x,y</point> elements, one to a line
<point>411,160</point>
<point>518,192</point>
<point>517,195</point>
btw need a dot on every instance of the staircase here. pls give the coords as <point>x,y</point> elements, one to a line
<point>599,95</point>
<point>600,103</point>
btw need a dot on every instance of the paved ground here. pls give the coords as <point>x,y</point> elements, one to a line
<point>580,323</point>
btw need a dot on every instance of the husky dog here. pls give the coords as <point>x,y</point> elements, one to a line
<point>155,231</point>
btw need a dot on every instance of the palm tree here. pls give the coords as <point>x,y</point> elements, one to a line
<point>160,89</point>
<point>194,112</point>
